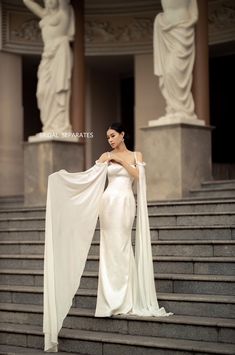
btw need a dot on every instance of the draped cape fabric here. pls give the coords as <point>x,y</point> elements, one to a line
<point>72,209</point>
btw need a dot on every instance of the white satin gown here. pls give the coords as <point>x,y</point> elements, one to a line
<point>116,263</point>
<point>126,281</point>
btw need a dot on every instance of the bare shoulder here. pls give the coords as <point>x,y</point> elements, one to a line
<point>103,157</point>
<point>139,156</point>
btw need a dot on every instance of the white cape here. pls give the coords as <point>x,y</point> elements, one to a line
<point>72,209</point>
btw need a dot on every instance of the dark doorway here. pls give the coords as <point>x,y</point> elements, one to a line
<point>32,123</point>
<point>127,109</point>
<point>222,78</point>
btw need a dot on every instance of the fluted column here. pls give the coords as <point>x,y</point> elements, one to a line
<point>78,76</point>
<point>200,88</point>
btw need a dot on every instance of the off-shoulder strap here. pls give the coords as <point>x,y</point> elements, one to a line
<point>108,154</point>
<point>135,157</point>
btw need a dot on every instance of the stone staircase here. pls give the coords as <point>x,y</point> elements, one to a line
<point>193,244</point>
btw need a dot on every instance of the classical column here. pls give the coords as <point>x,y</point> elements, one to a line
<point>11,126</point>
<point>78,76</point>
<point>200,88</point>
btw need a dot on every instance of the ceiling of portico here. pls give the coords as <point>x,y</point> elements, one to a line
<point>109,6</point>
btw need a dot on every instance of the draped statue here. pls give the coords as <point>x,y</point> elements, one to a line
<point>174,54</point>
<point>54,73</point>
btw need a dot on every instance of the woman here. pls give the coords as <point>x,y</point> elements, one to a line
<point>174,52</point>
<point>74,202</point>
<point>54,72</point>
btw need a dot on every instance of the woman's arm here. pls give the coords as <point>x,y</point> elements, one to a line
<point>131,170</point>
<point>35,8</point>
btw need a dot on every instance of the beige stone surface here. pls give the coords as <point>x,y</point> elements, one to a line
<point>178,158</point>
<point>149,102</point>
<point>11,125</point>
<point>42,159</point>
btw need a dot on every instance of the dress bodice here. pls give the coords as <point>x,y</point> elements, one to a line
<point>118,176</point>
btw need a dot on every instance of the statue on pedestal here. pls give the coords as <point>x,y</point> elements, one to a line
<point>54,73</point>
<point>174,54</point>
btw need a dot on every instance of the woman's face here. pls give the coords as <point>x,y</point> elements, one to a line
<point>51,4</point>
<point>114,137</point>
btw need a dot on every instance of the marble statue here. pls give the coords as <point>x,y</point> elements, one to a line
<point>54,73</point>
<point>174,54</point>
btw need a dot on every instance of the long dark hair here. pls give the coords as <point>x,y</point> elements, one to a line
<point>117,126</point>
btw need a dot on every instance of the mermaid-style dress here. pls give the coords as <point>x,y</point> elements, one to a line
<point>117,263</point>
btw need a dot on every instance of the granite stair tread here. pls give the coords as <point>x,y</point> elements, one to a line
<point>157,242</point>
<point>161,295</point>
<point>88,312</point>
<point>161,214</point>
<point>206,226</point>
<point>178,201</point>
<point>13,350</point>
<point>201,277</point>
<point>155,258</point>
<point>124,339</point>
<point>228,188</point>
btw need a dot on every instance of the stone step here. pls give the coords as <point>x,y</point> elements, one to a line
<point>19,212</point>
<point>218,192</point>
<point>193,218</point>
<point>155,220</point>
<point>13,350</point>
<point>107,343</point>
<point>180,206</point>
<point>11,201</point>
<point>161,248</point>
<point>176,283</point>
<point>187,265</point>
<point>161,264</point>
<point>174,206</point>
<point>218,184</point>
<point>167,264</point>
<point>219,330</point>
<point>221,306</point>
<point>16,234</point>
<point>215,232</point>
<point>21,247</point>
<point>179,283</point>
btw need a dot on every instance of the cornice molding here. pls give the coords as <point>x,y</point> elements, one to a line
<point>111,27</point>
<point>221,21</point>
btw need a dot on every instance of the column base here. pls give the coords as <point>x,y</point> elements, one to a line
<point>41,159</point>
<point>170,119</point>
<point>178,158</point>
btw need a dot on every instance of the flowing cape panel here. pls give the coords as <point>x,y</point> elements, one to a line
<point>145,300</point>
<point>71,216</point>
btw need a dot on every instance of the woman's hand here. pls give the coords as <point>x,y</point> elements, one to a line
<point>115,158</point>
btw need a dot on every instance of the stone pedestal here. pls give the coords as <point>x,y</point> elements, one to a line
<point>178,158</point>
<point>42,159</point>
